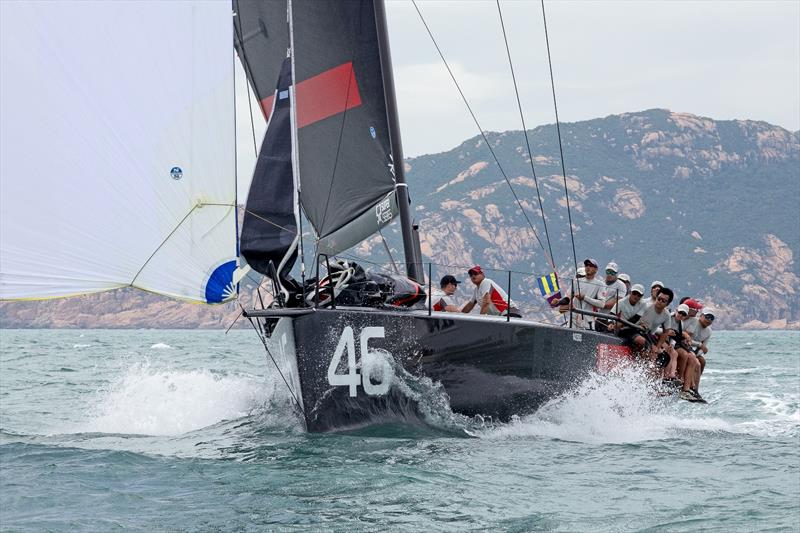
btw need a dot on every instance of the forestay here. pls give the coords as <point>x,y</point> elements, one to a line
<point>118,154</point>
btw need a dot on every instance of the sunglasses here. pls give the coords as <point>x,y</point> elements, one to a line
<point>611,272</point>
<point>710,318</point>
<point>682,313</point>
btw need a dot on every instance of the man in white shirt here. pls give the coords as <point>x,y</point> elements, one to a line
<point>699,329</point>
<point>677,345</point>
<point>626,279</point>
<point>631,309</point>
<point>443,298</point>
<point>492,298</point>
<point>613,291</point>
<point>655,287</point>
<point>588,292</point>
<point>654,317</point>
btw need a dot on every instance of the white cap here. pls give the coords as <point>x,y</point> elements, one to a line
<point>683,308</point>
<point>707,311</point>
<point>638,288</point>
<point>624,277</point>
<point>581,271</point>
<point>612,266</point>
<point>659,283</point>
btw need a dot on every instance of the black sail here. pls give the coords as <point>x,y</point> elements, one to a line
<point>343,154</point>
<point>346,180</point>
<point>261,37</point>
<point>269,228</point>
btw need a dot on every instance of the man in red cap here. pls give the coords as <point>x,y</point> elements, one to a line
<point>693,305</point>
<point>492,298</point>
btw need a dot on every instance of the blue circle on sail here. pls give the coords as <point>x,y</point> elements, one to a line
<point>373,132</point>
<point>220,286</point>
<point>176,173</point>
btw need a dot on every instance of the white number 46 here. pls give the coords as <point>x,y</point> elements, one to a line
<point>373,364</point>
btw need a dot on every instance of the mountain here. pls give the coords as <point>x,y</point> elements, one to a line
<point>709,207</point>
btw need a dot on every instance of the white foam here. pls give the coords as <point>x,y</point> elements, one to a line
<point>731,371</point>
<point>620,407</point>
<point>782,415</point>
<point>161,346</point>
<point>81,345</point>
<point>152,401</point>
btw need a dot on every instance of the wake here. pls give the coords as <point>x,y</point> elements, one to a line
<point>622,406</point>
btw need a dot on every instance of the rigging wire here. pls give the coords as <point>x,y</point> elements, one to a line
<point>164,241</point>
<point>560,146</point>
<point>295,154</point>
<point>483,135</point>
<point>527,140</point>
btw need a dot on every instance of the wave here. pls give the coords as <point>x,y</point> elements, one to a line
<point>161,346</point>
<point>731,371</point>
<point>167,402</point>
<point>782,415</point>
<point>623,406</point>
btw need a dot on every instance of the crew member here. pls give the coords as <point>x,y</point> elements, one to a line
<point>654,317</point>
<point>588,292</point>
<point>626,279</point>
<point>443,298</point>
<point>614,291</point>
<point>700,330</point>
<point>631,309</point>
<point>655,287</point>
<point>492,298</point>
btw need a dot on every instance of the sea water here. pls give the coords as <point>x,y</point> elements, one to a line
<point>192,431</point>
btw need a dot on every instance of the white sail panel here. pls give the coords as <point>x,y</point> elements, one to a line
<point>117,148</point>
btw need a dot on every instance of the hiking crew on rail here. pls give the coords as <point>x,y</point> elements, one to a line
<point>676,343</point>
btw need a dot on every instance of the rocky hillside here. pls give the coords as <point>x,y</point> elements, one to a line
<point>709,207</point>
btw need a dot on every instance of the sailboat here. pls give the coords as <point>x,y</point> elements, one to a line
<point>119,169</point>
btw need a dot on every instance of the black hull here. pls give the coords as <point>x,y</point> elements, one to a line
<point>487,366</point>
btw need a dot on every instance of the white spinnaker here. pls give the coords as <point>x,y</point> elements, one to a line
<point>100,101</point>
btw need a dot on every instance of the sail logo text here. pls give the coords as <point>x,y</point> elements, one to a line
<point>374,364</point>
<point>383,211</point>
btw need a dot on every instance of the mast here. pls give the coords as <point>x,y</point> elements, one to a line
<point>413,259</point>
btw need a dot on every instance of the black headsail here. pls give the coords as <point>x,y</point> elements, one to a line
<point>269,229</point>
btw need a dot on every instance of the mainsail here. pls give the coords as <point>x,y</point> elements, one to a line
<point>118,153</point>
<point>347,185</point>
<point>342,152</point>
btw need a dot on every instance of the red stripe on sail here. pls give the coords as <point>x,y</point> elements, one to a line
<point>327,94</point>
<point>324,95</point>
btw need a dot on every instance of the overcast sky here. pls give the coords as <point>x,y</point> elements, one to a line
<point>724,59</point>
<point>721,59</point>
